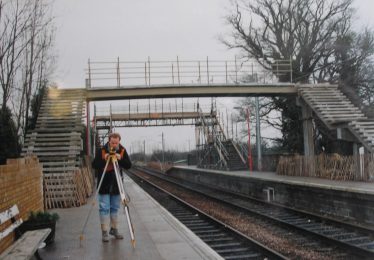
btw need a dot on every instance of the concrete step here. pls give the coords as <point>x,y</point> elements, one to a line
<point>52,149</point>
<point>57,130</point>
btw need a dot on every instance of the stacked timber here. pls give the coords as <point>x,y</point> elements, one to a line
<point>336,111</point>
<point>57,142</point>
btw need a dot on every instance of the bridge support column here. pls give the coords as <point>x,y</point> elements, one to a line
<point>88,129</point>
<point>306,113</point>
<point>357,161</point>
<point>307,118</point>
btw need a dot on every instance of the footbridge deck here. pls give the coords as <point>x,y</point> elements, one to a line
<point>195,90</point>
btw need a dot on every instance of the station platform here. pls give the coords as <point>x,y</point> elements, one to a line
<point>348,201</point>
<point>158,234</point>
<point>349,186</point>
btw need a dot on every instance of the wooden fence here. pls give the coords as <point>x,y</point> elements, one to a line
<point>329,166</point>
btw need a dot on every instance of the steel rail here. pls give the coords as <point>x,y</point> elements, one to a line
<point>356,239</point>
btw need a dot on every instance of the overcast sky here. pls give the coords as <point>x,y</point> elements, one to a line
<point>136,29</point>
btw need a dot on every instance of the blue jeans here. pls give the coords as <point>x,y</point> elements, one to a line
<point>109,205</point>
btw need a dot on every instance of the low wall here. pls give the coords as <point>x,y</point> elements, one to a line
<point>348,205</point>
<point>20,183</point>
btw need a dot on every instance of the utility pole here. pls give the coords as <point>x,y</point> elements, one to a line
<point>227,124</point>
<point>249,141</point>
<point>144,151</point>
<point>258,136</point>
<point>163,149</point>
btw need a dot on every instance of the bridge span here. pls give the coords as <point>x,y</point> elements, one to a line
<point>195,90</point>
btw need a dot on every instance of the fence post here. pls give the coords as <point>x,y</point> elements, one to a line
<point>118,74</point>
<point>236,72</point>
<point>291,68</point>
<point>207,68</point>
<point>226,70</point>
<point>89,74</point>
<point>145,73</point>
<point>172,72</point>
<point>179,79</point>
<point>149,71</point>
<point>199,72</point>
<point>129,111</point>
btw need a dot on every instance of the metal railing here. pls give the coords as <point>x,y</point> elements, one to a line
<point>182,72</point>
<point>221,150</point>
<point>149,106</point>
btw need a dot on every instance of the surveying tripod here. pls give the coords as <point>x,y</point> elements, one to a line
<point>124,199</point>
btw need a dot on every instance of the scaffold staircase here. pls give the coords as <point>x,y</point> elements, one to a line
<point>336,111</point>
<point>57,142</point>
<point>217,151</point>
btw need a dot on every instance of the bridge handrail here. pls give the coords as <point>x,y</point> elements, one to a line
<point>151,107</point>
<point>177,72</point>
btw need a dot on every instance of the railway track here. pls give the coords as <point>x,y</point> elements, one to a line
<point>357,241</point>
<point>227,242</point>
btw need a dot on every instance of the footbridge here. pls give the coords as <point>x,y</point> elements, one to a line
<point>58,137</point>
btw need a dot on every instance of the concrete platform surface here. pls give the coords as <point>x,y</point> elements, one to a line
<point>158,234</point>
<point>351,186</point>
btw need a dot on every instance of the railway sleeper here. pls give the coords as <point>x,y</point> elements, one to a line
<point>206,228</point>
<point>247,256</point>
<point>207,232</point>
<point>224,245</point>
<point>195,225</point>
<point>212,240</point>
<point>232,250</point>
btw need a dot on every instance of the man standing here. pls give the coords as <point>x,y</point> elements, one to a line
<point>109,198</point>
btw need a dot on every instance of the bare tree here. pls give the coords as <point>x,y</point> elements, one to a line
<point>304,30</point>
<point>13,24</point>
<point>26,58</point>
<point>38,40</point>
<point>315,34</point>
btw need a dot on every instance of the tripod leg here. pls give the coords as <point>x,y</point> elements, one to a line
<point>131,228</point>
<point>124,202</point>
<point>102,177</point>
<point>119,182</point>
<point>81,237</point>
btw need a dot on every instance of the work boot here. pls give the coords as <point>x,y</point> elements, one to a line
<point>114,232</point>
<point>105,236</point>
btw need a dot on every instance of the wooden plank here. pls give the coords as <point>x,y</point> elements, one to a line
<point>332,104</point>
<point>54,143</point>
<point>57,134</point>
<point>63,159</point>
<point>324,96</point>
<point>59,169</point>
<point>364,127</point>
<point>58,122</point>
<point>329,101</point>
<point>57,154</point>
<point>57,138</point>
<point>363,122</point>
<point>8,214</point>
<point>54,163</point>
<point>341,116</point>
<point>10,229</point>
<point>334,108</point>
<point>26,246</point>
<point>349,112</point>
<point>67,117</point>
<point>57,130</point>
<point>68,106</point>
<point>58,148</point>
